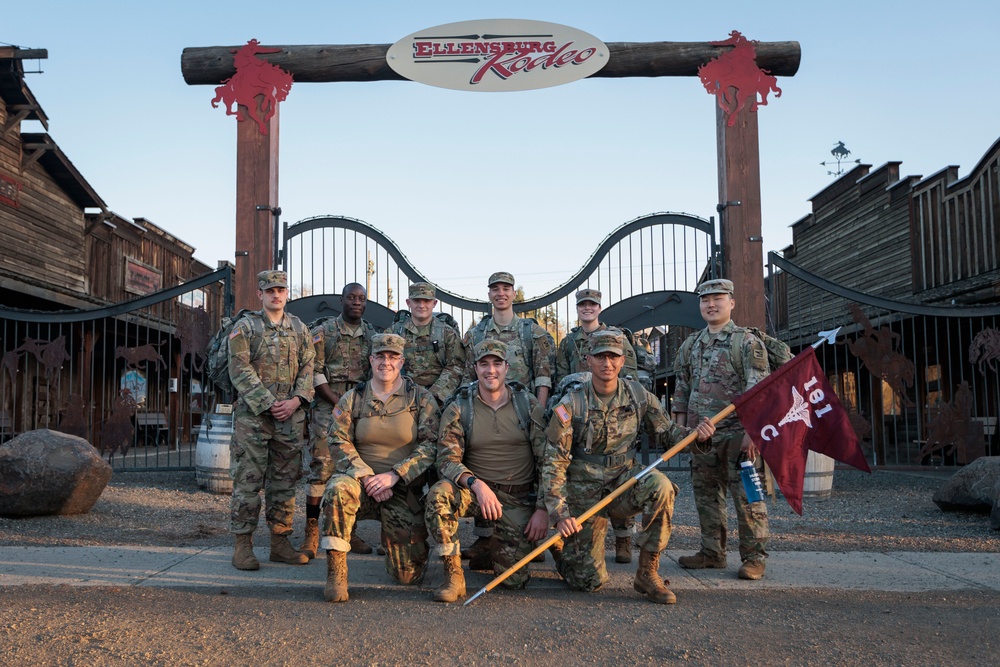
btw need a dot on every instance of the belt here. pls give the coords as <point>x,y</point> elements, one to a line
<point>511,489</point>
<point>607,460</point>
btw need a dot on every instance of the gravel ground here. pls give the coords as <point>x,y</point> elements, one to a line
<point>884,511</point>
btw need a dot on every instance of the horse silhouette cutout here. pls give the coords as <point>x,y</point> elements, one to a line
<point>253,77</point>
<point>735,79</point>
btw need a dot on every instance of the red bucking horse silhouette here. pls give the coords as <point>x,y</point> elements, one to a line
<point>253,77</point>
<point>735,79</point>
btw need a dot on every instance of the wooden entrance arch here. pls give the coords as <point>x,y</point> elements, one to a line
<point>737,145</point>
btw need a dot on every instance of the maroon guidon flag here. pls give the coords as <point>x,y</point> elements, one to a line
<point>792,411</point>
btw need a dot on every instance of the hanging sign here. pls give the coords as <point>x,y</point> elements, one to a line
<point>497,55</point>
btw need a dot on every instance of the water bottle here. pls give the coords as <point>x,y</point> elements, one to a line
<point>751,482</point>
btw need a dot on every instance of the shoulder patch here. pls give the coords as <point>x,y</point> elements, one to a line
<point>337,412</point>
<point>562,413</point>
<point>317,337</point>
<point>234,333</point>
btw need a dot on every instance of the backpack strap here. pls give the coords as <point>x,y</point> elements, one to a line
<point>637,393</point>
<point>438,334</point>
<point>527,342</point>
<point>522,406</point>
<point>736,353</point>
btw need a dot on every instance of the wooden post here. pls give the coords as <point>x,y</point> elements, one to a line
<point>256,185</point>
<point>740,224</point>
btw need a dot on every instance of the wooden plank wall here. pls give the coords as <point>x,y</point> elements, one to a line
<point>956,224</point>
<point>43,239</point>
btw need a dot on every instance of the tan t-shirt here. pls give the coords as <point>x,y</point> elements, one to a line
<point>385,433</point>
<point>497,449</point>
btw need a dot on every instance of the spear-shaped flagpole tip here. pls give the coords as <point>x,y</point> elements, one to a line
<point>826,337</point>
<point>473,598</point>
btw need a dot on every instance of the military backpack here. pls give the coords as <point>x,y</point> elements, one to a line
<point>519,397</point>
<point>217,366</point>
<point>572,385</point>
<point>524,332</point>
<point>778,352</point>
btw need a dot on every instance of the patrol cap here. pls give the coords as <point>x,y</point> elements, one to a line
<point>485,348</point>
<point>718,286</point>
<point>266,279</point>
<point>422,291</point>
<point>501,277</point>
<point>608,340</point>
<point>588,295</point>
<point>387,342</point>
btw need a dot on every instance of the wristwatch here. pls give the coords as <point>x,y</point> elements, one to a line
<point>470,481</point>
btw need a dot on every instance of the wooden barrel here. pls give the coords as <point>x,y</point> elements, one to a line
<point>818,482</point>
<point>211,455</point>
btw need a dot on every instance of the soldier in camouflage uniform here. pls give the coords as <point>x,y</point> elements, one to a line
<point>530,355</point>
<point>435,355</point>
<point>490,470</point>
<point>383,439</point>
<point>706,383</point>
<point>591,451</point>
<point>571,357</point>
<point>271,368</point>
<point>343,346</point>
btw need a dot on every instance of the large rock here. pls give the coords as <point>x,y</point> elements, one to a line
<point>48,472</point>
<point>973,488</point>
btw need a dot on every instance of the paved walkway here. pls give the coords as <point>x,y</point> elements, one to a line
<point>186,567</point>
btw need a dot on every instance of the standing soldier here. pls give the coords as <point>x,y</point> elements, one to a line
<point>383,439</point>
<point>343,346</point>
<point>271,368</point>
<point>572,358</point>
<point>489,455</point>
<point>435,356</point>
<point>591,451</point>
<point>708,380</point>
<point>530,351</point>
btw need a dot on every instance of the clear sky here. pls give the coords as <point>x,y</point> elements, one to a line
<point>530,182</point>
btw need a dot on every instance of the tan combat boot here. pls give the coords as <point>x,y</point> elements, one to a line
<point>623,549</point>
<point>454,581</point>
<point>556,550</point>
<point>701,561</point>
<point>359,546</point>
<point>310,541</point>
<point>336,577</point>
<point>648,581</point>
<point>752,569</point>
<point>243,558</point>
<point>282,551</point>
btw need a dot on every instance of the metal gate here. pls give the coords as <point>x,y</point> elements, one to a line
<point>129,378</point>
<point>920,382</point>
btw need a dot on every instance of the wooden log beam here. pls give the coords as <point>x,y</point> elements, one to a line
<point>322,63</point>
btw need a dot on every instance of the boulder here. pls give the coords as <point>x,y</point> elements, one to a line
<point>973,488</point>
<point>47,472</point>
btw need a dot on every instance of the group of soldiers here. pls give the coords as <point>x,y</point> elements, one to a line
<point>417,427</point>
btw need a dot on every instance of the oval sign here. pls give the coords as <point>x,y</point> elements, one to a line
<point>497,55</point>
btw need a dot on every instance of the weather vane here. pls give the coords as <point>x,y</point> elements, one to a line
<point>840,152</point>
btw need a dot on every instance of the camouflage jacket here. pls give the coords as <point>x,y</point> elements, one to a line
<point>424,353</point>
<point>340,356</point>
<point>355,405</point>
<point>571,356</point>
<point>452,436</point>
<point>532,372</point>
<point>706,379</point>
<point>270,362</point>
<point>610,430</point>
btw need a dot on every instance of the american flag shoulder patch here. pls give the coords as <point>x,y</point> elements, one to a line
<point>563,414</point>
<point>337,412</point>
<point>316,338</point>
<point>234,333</point>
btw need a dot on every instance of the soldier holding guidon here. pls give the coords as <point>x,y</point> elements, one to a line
<point>591,451</point>
<point>713,366</point>
<point>383,440</point>
<point>271,368</point>
<point>489,455</point>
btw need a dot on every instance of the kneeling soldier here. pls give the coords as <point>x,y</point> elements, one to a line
<point>591,450</point>
<point>489,455</point>
<point>383,440</point>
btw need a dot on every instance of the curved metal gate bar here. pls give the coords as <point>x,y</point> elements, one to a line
<point>322,254</point>
<point>920,381</point>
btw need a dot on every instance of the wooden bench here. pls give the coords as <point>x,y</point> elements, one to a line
<point>151,429</point>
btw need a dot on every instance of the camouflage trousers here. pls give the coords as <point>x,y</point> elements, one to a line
<point>264,454</point>
<point>713,470</point>
<point>653,496</point>
<point>404,536</point>
<point>320,460</point>
<point>446,504</point>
